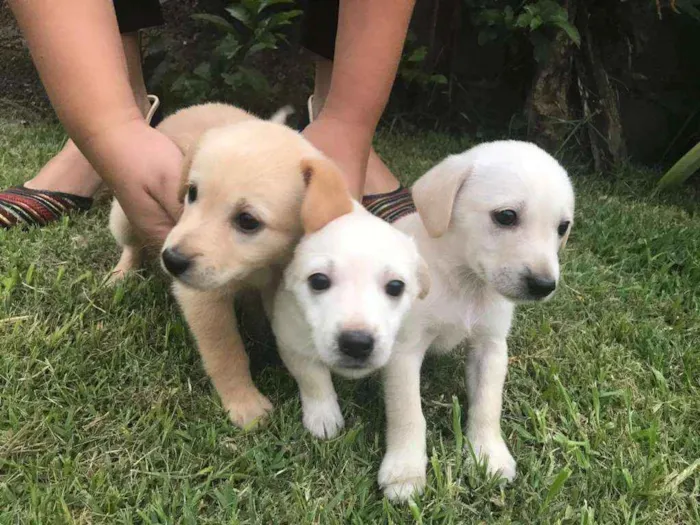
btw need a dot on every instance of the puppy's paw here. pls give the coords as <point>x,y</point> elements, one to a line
<point>495,452</point>
<point>116,276</point>
<point>402,475</point>
<point>248,408</point>
<point>322,417</point>
<point>129,261</point>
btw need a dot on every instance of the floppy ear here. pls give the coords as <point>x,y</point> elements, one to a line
<point>185,173</point>
<point>280,116</point>
<point>423,278</point>
<point>327,196</point>
<point>435,192</point>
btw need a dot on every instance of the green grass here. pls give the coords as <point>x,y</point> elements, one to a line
<point>106,414</point>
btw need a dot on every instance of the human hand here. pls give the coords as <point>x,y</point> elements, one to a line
<point>142,166</point>
<point>347,144</point>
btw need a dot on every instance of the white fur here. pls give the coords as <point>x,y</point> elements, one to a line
<point>478,272</point>
<point>361,254</point>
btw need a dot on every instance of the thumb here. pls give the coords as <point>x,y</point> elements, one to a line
<point>171,180</point>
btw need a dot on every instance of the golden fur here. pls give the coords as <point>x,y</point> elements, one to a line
<point>238,164</point>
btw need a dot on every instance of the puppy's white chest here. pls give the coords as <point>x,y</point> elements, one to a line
<point>462,315</point>
<point>454,322</point>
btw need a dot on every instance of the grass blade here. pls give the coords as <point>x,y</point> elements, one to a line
<point>681,170</point>
<point>556,486</point>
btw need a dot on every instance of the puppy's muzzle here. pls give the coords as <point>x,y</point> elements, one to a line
<point>175,262</point>
<point>539,286</point>
<point>357,344</point>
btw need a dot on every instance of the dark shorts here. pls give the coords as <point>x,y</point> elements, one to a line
<point>318,26</point>
<point>133,15</point>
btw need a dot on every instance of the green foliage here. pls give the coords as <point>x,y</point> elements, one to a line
<point>682,170</point>
<point>250,29</point>
<point>509,19</point>
<point>686,7</point>
<point>412,68</point>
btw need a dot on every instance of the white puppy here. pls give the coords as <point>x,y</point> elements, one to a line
<point>341,303</point>
<point>493,220</point>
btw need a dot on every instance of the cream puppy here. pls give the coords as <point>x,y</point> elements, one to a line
<point>340,306</point>
<point>493,221</point>
<point>247,183</point>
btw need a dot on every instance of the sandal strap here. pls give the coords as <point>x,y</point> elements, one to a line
<point>155,103</point>
<point>310,108</point>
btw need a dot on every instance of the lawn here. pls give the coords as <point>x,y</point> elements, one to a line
<point>106,415</point>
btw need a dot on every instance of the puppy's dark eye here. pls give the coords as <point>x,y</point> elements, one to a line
<point>394,288</point>
<point>191,193</point>
<point>563,227</point>
<point>319,282</point>
<point>246,223</point>
<point>505,217</point>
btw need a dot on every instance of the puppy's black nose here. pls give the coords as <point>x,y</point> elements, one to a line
<point>356,343</point>
<point>540,286</point>
<point>175,262</point>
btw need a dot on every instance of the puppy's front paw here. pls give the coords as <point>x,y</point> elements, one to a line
<point>115,277</point>
<point>129,261</point>
<point>402,475</point>
<point>495,452</point>
<point>322,418</point>
<point>247,408</point>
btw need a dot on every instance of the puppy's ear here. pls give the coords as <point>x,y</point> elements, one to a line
<point>435,192</point>
<point>327,196</point>
<point>280,116</point>
<point>423,278</point>
<point>185,173</point>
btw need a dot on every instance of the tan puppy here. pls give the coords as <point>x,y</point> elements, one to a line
<point>246,183</point>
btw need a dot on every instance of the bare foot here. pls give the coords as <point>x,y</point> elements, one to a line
<point>67,172</point>
<point>379,177</point>
<point>131,260</point>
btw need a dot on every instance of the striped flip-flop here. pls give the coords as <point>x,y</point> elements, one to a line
<point>390,206</point>
<point>20,206</point>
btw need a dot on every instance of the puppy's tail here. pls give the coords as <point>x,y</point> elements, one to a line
<point>281,115</point>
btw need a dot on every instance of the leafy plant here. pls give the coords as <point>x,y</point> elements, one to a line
<point>687,7</point>
<point>499,19</point>
<point>249,28</point>
<point>681,170</point>
<point>412,69</point>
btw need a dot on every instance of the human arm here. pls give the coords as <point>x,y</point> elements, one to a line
<point>368,48</point>
<point>77,50</point>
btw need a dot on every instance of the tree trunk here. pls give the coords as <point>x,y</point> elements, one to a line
<point>548,109</point>
<point>445,20</point>
<point>550,113</point>
<point>600,101</point>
